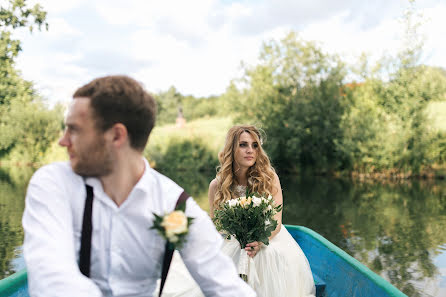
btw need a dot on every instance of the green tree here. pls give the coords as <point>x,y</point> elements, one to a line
<point>26,126</point>
<point>386,125</point>
<point>168,104</point>
<point>294,93</point>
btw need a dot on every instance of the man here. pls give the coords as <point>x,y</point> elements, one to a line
<point>107,127</point>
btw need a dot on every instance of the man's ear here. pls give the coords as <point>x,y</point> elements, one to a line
<point>119,134</point>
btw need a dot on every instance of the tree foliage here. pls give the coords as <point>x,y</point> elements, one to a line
<point>27,126</point>
<point>294,93</point>
<point>170,103</point>
<point>317,120</point>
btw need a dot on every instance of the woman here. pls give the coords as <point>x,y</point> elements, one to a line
<point>279,269</point>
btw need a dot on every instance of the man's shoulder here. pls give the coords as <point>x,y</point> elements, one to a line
<point>165,183</point>
<point>56,170</point>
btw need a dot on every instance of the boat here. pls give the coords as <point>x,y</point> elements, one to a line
<point>335,272</point>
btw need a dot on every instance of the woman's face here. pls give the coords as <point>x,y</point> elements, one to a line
<point>246,151</point>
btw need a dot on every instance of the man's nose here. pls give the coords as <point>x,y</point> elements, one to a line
<point>64,140</point>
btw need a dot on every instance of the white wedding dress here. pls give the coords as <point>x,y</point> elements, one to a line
<point>279,269</point>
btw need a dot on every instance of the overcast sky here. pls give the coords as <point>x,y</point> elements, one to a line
<point>197,46</point>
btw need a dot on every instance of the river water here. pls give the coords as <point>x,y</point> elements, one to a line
<point>397,229</point>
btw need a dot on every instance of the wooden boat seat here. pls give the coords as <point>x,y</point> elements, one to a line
<point>320,286</point>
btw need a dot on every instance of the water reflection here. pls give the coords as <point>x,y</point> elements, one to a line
<point>12,192</point>
<point>397,230</point>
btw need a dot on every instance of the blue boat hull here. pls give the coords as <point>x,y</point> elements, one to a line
<point>336,273</point>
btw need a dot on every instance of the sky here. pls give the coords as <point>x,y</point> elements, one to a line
<point>198,46</point>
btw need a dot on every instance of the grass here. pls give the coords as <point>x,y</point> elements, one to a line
<point>211,130</point>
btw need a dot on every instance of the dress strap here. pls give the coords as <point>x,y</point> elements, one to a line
<point>85,252</point>
<point>168,254</point>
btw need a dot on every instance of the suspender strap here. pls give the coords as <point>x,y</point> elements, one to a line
<point>182,198</point>
<point>85,252</point>
<point>169,251</point>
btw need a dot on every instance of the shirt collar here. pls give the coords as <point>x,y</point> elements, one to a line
<point>144,184</point>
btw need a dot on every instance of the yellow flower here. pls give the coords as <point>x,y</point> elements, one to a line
<point>175,223</point>
<point>244,202</point>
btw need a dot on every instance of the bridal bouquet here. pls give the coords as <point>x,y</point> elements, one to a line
<point>248,218</point>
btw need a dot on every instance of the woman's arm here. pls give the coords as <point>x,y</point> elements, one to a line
<point>278,199</point>
<point>211,196</point>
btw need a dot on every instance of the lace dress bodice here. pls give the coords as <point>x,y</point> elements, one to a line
<point>239,190</point>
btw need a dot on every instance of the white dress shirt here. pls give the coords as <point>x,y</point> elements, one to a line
<point>126,255</point>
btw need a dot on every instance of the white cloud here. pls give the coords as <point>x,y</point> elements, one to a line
<point>60,28</point>
<point>350,41</point>
<point>54,7</point>
<point>197,47</point>
<point>435,31</point>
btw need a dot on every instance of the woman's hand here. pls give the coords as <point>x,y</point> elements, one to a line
<point>253,248</point>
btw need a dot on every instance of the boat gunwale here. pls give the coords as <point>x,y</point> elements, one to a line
<point>13,282</point>
<point>378,280</point>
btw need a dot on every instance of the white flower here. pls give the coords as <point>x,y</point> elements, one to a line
<point>269,207</point>
<point>267,222</point>
<point>256,201</point>
<point>232,202</point>
<point>270,197</point>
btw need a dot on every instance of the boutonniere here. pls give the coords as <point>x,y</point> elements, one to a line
<point>173,226</point>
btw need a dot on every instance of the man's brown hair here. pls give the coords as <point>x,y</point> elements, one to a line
<point>121,99</point>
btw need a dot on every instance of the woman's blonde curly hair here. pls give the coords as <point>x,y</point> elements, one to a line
<point>260,175</point>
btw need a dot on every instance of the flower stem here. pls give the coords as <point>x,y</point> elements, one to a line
<point>244,277</point>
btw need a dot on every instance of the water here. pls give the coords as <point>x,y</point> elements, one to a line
<point>397,230</point>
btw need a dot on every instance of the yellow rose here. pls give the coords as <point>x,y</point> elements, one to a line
<point>175,223</point>
<point>245,202</point>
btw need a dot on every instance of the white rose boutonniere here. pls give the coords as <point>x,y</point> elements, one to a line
<point>173,226</point>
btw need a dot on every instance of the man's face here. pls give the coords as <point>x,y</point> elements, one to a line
<point>89,151</point>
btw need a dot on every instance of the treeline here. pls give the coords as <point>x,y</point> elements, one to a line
<point>324,116</point>
<point>320,114</point>
<point>170,103</point>
<point>318,120</point>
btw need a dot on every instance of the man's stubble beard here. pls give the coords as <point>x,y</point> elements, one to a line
<point>96,161</point>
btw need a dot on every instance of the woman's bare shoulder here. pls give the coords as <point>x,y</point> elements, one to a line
<point>276,177</point>
<point>212,191</point>
<point>276,184</point>
<point>213,186</point>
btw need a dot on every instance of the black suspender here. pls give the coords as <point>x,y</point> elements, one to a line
<point>85,251</point>
<point>168,254</point>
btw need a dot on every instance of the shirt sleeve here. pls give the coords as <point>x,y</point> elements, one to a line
<point>212,270</point>
<point>49,247</point>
